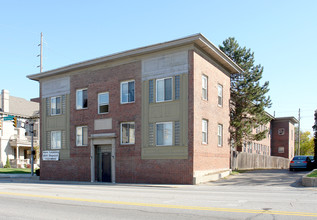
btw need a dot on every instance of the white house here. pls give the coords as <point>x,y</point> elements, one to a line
<point>15,142</point>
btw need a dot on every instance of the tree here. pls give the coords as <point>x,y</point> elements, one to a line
<point>315,137</point>
<point>248,96</point>
<point>306,143</point>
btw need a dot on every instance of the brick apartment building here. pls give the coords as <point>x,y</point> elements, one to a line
<point>156,114</point>
<point>279,141</point>
<point>283,137</point>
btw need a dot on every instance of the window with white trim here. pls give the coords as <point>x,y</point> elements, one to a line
<point>204,131</point>
<point>81,136</point>
<point>56,105</point>
<point>103,103</point>
<point>81,99</point>
<point>220,93</point>
<point>164,89</point>
<point>164,134</point>
<point>127,132</point>
<point>127,91</point>
<point>56,140</point>
<point>220,135</point>
<point>204,87</point>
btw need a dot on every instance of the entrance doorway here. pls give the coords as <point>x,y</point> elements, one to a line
<point>102,165</point>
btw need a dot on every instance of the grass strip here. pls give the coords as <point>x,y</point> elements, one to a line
<point>15,171</point>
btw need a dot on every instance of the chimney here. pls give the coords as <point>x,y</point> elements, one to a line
<point>5,100</point>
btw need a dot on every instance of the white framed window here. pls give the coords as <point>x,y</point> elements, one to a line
<point>127,132</point>
<point>204,131</point>
<point>280,150</point>
<point>164,134</point>
<point>164,89</point>
<point>204,87</point>
<point>56,139</point>
<point>81,99</point>
<point>81,136</point>
<point>103,103</point>
<point>127,92</point>
<point>56,105</point>
<point>220,135</point>
<point>220,94</point>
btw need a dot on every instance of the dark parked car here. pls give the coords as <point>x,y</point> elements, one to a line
<point>300,162</point>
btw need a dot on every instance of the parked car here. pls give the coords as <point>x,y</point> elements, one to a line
<point>300,162</point>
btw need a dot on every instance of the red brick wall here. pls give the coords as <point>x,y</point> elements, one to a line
<point>129,166</point>
<point>210,156</point>
<point>280,140</point>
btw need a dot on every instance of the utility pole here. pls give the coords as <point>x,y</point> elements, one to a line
<point>41,53</point>
<point>298,149</point>
<point>32,148</point>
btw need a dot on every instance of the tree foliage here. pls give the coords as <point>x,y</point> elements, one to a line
<point>315,136</point>
<point>306,143</point>
<point>248,95</point>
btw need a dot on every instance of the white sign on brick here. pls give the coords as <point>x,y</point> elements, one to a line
<point>50,155</point>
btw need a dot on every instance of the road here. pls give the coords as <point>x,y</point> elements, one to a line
<point>263,194</point>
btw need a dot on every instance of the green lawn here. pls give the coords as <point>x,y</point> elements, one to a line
<point>313,174</point>
<point>14,170</point>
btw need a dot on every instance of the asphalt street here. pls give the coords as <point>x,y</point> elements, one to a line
<point>261,194</point>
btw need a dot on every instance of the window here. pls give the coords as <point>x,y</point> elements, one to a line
<point>164,134</point>
<point>56,139</point>
<point>280,150</point>
<point>204,87</point>
<point>81,136</point>
<point>204,131</point>
<point>220,95</point>
<point>127,133</point>
<point>220,128</point>
<point>103,103</point>
<point>127,92</point>
<point>281,131</point>
<point>164,89</point>
<point>56,105</point>
<point>81,99</point>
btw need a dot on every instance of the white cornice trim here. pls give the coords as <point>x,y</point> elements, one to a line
<point>198,39</point>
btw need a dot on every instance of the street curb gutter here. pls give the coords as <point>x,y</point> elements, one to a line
<point>18,176</point>
<point>309,181</point>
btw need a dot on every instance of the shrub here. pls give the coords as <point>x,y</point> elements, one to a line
<point>8,165</point>
<point>37,172</point>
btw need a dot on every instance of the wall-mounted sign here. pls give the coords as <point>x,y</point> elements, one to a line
<point>50,155</point>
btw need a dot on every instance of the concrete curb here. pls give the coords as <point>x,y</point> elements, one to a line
<point>309,181</point>
<point>14,175</point>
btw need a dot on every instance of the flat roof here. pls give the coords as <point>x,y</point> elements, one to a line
<point>290,118</point>
<point>197,39</point>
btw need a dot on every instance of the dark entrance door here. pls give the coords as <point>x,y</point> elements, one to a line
<point>103,165</point>
<point>106,167</point>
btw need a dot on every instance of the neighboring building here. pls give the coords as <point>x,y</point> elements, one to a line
<point>279,141</point>
<point>262,147</point>
<point>15,142</point>
<point>156,114</point>
<point>283,137</point>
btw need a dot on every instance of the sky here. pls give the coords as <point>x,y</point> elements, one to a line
<point>281,33</point>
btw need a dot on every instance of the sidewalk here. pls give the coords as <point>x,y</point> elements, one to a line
<point>26,178</point>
